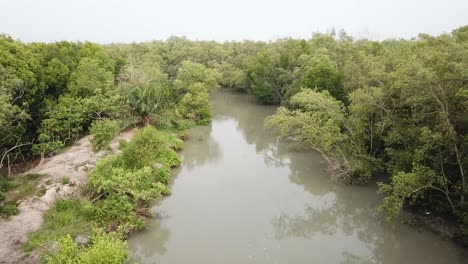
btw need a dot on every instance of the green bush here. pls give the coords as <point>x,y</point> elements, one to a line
<point>124,191</point>
<point>144,148</point>
<point>140,185</point>
<point>117,211</point>
<point>169,158</point>
<point>195,104</point>
<point>163,175</point>
<point>105,249</point>
<point>103,132</point>
<point>105,166</point>
<point>173,141</point>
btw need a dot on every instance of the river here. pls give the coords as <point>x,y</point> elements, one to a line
<point>241,197</point>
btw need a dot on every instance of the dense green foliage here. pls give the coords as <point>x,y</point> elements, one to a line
<point>103,132</point>
<point>104,249</point>
<point>122,186</point>
<point>397,109</point>
<point>51,94</point>
<point>147,90</point>
<point>315,119</point>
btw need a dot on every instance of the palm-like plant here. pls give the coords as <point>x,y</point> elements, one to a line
<point>147,91</point>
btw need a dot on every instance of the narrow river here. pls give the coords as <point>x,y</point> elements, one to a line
<point>240,197</point>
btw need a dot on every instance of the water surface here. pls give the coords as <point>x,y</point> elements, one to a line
<point>240,197</point>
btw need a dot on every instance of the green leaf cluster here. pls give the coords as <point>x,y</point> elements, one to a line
<point>103,132</point>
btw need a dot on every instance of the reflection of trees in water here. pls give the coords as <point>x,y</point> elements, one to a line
<point>200,148</point>
<point>342,211</point>
<point>249,115</point>
<point>339,216</point>
<point>349,210</point>
<point>306,167</point>
<point>150,244</point>
<point>349,258</point>
<point>353,212</point>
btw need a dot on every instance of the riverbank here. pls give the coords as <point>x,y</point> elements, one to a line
<point>74,163</point>
<point>112,202</point>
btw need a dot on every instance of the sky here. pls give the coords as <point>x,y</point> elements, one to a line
<point>106,21</point>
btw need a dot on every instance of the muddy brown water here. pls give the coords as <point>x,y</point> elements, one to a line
<point>241,197</point>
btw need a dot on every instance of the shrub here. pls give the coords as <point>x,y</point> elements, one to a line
<point>169,158</point>
<point>103,131</point>
<point>117,211</point>
<point>195,104</point>
<point>125,191</point>
<point>183,125</point>
<point>67,252</point>
<point>163,175</point>
<point>172,140</point>
<point>105,248</point>
<point>144,148</point>
<point>46,145</point>
<point>63,123</point>
<point>105,165</point>
<point>140,185</point>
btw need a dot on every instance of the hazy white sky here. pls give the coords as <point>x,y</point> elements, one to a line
<point>107,21</point>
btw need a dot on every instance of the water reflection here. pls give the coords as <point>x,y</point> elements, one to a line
<point>351,213</point>
<point>249,116</point>
<point>306,168</point>
<point>242,197</point>
<point>200,148</point>
<point>156,235</point>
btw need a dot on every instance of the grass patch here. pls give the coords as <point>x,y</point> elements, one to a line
<point>65,180</point>
<point>66,220</point>
<point>8,210</point>
<point>66,217</point>
<point>11,192</point>
<point>122,143</point>
<point>24,186</point>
